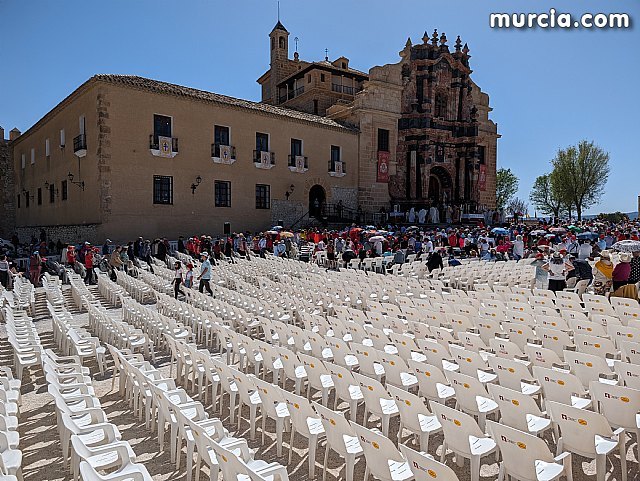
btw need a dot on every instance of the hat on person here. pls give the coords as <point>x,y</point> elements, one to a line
<point>605,254</point>
<point>189,265</point>
<point>557,255</point>
<point>625,257</point>
<point>204,254</point>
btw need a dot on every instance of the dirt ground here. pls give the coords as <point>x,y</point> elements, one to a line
<point>42,457</point>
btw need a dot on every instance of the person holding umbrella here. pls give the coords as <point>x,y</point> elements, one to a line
<point>634,276</point>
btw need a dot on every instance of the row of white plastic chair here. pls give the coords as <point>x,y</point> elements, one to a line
<point>24,340</point>
<point>164,405</point>
<point>10,401</point>
<point>91,446</point>
<point>74,339</point>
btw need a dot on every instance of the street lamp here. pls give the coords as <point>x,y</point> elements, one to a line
<point>290,191</point>
<point>47,186</point>
<point>79,184</point>
<point>195,185</point>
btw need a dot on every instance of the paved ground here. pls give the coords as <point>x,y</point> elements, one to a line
<point>39,439</point>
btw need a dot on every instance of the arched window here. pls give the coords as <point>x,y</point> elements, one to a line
<point>273,43</point>
<point>281,42</point>
<point>441,105</point>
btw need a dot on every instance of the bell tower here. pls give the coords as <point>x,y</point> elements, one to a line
<point>279,45</point>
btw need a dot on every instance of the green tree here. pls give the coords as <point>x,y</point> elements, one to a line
<point>517,206</point>
<point>506,187</point>
<point>581,172</point>
<point>546,195</point>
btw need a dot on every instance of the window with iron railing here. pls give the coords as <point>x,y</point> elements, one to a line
<point>263,196</point>
<point>163,189</point>
<point>222,193</point>
<point>79,143</point>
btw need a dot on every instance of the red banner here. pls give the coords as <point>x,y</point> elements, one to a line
<point>383,167</point>
<point>482,179</point>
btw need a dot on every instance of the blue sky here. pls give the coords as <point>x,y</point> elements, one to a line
<point>548,88</point>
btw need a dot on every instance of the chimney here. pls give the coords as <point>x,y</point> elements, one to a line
<point>14,134</point>
<point>1,134</point>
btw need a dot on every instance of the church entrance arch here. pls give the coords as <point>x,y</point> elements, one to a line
<point>440,185</point>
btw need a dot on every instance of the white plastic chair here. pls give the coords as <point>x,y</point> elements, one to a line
<point>128,472</point>
<point>432,383</point>
<point>526,457</point>
<point>463,436</point>
<point>472,397</point>
<point>384,460</point>
<point>425,468</point>
<point>519,410</point>
<point>562,387</point>
<point>274,406</point>
<point>619,404</point>
<point>514,375</point>
<point>341,438</point>
<point>377,401</point>
<point>588,434</point>
<point>318,376</point>
<point>304,421</point>
<point>414,416</point>
<point>346,388</point>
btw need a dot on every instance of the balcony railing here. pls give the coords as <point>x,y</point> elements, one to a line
<point>154,142</point>
<point>291,94</point>
<point>80,143</point>
<point>293,163</point>
<point>345,89</point>
<point>215,150</point>
<point>257,157</point>
<point>334,169</point>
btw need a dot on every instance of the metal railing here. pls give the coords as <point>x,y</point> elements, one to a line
<point>215,150</point>
<point>292,161</point>
<point>291,94</point>
<point>80,143</point>
<point>257,156</point>
<point>154,143</point>
<point>345,89</point>
<point>332,166</point>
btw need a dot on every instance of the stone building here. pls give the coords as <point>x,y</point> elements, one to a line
<point>425,133</point>
<point>123,156</point>
<point>7,205</point>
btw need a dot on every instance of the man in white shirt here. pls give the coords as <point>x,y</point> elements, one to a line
<point>518,248</point>
<point>584,250</point>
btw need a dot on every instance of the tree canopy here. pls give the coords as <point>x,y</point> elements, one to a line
<point>546,195</point>
<point>581,173</point>
<point>506,187</point>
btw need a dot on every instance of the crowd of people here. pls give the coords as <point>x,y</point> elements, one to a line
<point>563,254</point>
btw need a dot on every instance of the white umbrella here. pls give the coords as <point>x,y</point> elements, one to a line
<point>626,246</point>
<point>376,238</point>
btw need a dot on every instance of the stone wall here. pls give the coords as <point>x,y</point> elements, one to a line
<point>348,196</point>
<point>7,191</point>
<point>287,211</point>
<point>66,233</point>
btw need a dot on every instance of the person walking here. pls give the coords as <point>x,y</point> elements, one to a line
<point>188,277</point>
<point>178,276</point>
<point>205,274</point>
<point>35,267</point>
<point>4,271</point>
<point>88,264</point>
